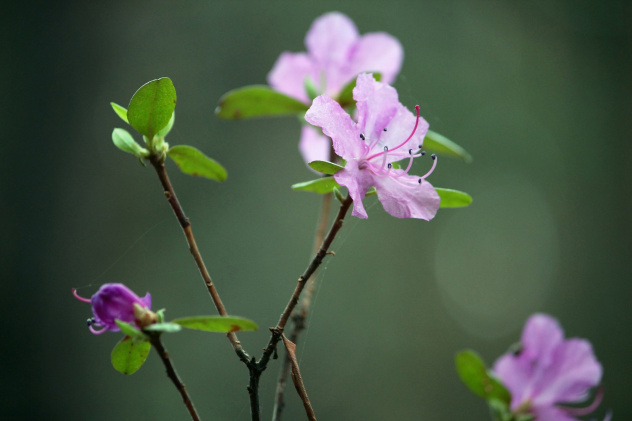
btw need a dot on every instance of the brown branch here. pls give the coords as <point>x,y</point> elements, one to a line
<point>171,373</point>
<point>300,313</point>
<point>290,348</point>
<point>171,197</point>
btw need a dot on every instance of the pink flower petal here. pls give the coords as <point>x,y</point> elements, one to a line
<point>314,146</point>
<point>377,52</point>
<point>289,72</point>
<point>399,129</point>
<point>551,413</point>
<point>377,104</point>
<point>337,124</point>
<point>328,42</point>
<point>540,336</point>
<point>404,197</point>
<point>357,182</point>
<point>573,372</point>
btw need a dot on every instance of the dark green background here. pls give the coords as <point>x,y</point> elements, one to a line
<point>539,93</point>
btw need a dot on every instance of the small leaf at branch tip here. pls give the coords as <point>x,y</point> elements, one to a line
<point>434,142</point>
<point>453,198</point>
<point>120,111</point>
<point>151,108</point>
<point>129,355</point>
<point>325,167</point>
<point>257,101</point>
<point>193,162</point>
<point>321,185</point>
<point>221,324</point>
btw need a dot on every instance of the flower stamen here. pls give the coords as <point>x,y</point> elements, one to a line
<point>401,144</point>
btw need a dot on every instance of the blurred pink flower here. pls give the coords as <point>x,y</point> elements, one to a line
<point>548,370</point>
<point>336,53</point>
<point>386,132</point>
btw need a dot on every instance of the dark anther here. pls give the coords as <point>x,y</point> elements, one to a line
<point>420,146</point>
<point>385,148</point>
<point>410,151</point>
<point>91,321</point>
<point>433,156</point>
<point>362,136</point>
<point>390,166</point>
<point>422,153</point>
<point>384,128</point>
<point>419,181</point>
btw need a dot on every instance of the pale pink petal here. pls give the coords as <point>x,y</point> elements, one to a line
<point>377,52</point>
<point>377,104</point>
<point>329,40</point>
<point>313,145</point>
<point>573,372</point>
<point>289,72</point>
<point>337,124</point>
<point>515,374</point>
<point>541,334</point>
<point>357,182</point>
<point>404,197</point>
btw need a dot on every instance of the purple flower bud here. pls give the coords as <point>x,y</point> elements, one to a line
<point>114,301</point>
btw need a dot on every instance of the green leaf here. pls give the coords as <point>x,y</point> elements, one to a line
<point>223,324</point>
<point>125,142</point>
<point>325,167</point>
<point>310,88</point>
<point>257,101</point>
<point>193,162</point>
<point>130,330</point>
<point>152,106</point>
<point>321,185</point>
<point>475,376</point>
<point>161,315</point>
<point>453,198</point>
<point>164,327</point>
<point>434,142</point>
<point>120,111</point>
<point>164,132</point>
<point>370,192</point>
<point>129,355</point>
<point>500,410</point>
<point>345,98</point>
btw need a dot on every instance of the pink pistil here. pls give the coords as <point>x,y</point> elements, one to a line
<point>74,292</point>
<point>404,142</point>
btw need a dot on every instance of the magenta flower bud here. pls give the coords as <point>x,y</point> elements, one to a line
<point>113,301</point>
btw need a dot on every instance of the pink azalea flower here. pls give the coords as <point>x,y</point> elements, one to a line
<point>549,370</point>
<point>336,53</point>
<point>113,301</point>
<point>386,132</point>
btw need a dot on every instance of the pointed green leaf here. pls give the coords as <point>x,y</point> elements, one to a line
<point>475,376</point>
<point>321,185</point>
<point>257,101</point>
<point>345,98</point>
<point>434,142</point>
<point>325,167</point>
<point>161,315</point>
<point>129,355</point>
<point>120,111</point>
<point>500,410</point>
<point>130,330</point>
<point>164,327</point>
<point>310,88</point>
<point>453,198</point>
<point>125,142</point>
<point>223,324</point>
<point>370,192</point>
<point>193,162</point>
<point>164,132</point>
<point>152,106</point>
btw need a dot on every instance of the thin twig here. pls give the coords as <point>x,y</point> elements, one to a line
<point>300,313</point>
<point>170,194</point>
<point>290,348</point>
<point>171,373</point>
